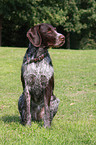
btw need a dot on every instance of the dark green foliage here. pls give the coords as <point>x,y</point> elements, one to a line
<point>75,17</point>
<point>88,20</point>
<point>87,43</point>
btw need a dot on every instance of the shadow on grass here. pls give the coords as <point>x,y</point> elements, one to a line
<point>10,119</point>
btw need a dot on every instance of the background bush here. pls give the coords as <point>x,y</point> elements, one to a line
<point>87,43</point>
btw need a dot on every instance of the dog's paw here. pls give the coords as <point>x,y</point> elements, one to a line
<point>47,125</point>
<point>28,124</point>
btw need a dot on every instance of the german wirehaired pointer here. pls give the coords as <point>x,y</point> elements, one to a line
<point>37,101</point>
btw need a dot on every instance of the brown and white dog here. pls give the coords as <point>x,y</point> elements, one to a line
<point>37,101</point>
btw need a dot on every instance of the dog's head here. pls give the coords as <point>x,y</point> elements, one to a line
<point>45,35</point>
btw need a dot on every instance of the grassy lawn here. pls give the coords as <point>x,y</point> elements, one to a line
<point>75,122</point>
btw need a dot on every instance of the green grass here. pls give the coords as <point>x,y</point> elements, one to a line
<point>75,122</point>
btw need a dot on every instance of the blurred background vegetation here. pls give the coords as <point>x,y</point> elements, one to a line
<point>75,19</point>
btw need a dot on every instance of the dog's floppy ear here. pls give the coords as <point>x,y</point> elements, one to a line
<point>34,36</point>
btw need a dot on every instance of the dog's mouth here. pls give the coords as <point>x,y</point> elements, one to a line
<point>60,44</point>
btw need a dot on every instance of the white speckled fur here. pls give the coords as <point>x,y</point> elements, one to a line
<point>38,69</point>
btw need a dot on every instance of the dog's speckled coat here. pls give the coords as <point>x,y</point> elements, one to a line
<point>37,101</point>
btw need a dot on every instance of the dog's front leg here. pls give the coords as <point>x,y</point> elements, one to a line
<point>47,96</point>
<point>27,99</point>
<point>47,122</point>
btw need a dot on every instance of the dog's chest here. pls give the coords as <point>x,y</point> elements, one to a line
<point>38,74</point>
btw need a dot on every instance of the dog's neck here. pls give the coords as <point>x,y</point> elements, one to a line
<point>34,53</point>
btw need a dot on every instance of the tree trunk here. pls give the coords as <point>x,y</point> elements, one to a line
<point>68,40</point>
<point>0,29</point>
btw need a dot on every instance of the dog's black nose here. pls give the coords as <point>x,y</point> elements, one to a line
<point>62,37</point>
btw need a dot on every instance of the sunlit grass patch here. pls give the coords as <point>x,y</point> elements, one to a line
<point>75,121</point>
